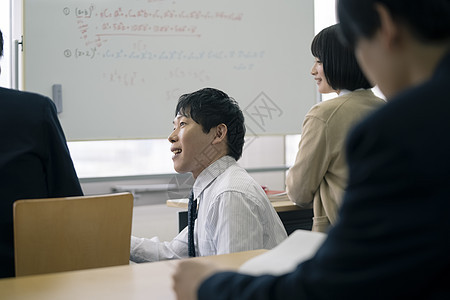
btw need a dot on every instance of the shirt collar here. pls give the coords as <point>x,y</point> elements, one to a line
<point>208,175</point>
<point>344,92</point>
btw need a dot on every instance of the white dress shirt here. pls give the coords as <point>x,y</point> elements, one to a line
<point>234,214</point>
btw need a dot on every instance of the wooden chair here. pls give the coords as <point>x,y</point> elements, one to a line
<point>72,233</point>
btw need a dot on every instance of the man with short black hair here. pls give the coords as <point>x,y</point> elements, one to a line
<point>234,213</point>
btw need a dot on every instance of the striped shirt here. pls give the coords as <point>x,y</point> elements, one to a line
<point>234,214</point>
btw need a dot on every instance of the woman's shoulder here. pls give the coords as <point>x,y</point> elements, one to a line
<point>324,109</point>
<point>348,103</point>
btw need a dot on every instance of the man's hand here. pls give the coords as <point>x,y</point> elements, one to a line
<point>188,276</point>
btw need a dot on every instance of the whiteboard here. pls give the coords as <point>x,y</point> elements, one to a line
<point>122,64</point>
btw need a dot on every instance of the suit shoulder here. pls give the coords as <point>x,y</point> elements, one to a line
<point>23,96</point>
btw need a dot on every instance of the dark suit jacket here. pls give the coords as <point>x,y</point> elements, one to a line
<point>392,240</point>
<point>34,161</point>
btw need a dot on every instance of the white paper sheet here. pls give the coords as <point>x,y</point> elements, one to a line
<point>299,246</point>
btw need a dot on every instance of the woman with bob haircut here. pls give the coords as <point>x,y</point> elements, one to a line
<point>319,174</point>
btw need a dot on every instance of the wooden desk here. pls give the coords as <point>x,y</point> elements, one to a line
<point>137,281</point>
<point>292,216</point>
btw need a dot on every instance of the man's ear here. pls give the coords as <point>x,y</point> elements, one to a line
<point>389,29</point>
<point>220,133</point>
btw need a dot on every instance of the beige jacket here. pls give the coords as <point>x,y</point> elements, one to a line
<point>319,174</point>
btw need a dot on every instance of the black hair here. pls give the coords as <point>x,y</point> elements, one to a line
<point>1,44</point>
<point>340,66</point>
<point>429,20</point>
<point>210,107</point>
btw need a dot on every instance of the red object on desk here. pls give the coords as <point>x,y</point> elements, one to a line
<point>270,192</point>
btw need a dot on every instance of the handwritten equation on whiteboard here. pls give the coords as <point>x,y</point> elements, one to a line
<point>130,60</point>
<point>158,33</point>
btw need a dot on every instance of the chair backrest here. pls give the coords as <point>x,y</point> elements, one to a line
<point>72,233</point>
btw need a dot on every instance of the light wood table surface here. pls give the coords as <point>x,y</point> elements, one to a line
<point>136,281</point>
<point>280,205</point>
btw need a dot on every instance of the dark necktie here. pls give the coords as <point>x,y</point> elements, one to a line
<point>192,215</point>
